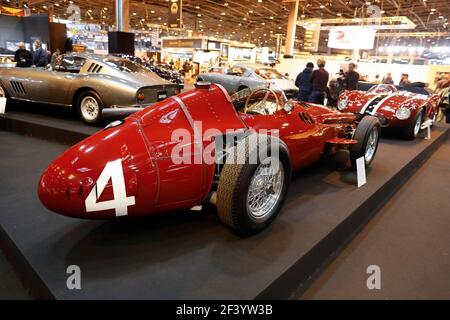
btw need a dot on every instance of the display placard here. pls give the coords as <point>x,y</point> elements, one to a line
<point>2,105</point>
<point>361,171</point>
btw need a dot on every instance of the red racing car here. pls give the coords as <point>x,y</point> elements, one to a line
<point>203,146</point>
<point>409,109</point>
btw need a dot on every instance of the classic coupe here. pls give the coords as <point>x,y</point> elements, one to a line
<point>203,146</point>
<point>87,83</point>
<point>244,75</point>
<point>409,110</point>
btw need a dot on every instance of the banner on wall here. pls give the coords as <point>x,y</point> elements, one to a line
<point>175,14</point>
<point>351,38</point>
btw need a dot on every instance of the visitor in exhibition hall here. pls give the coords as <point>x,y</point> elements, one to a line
<point>388,79</point>
<point>23,57</point>
<point>404,80</point>
<point>40,56</point>
<point>351,78</point>
<point>303,82</point>
<point>55,55</point>
<point>319,81</point>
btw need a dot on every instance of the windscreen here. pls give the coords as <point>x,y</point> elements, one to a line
<point>125,65</point>
<point>269,74</point>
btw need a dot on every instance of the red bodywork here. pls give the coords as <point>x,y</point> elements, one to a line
<point>144,144</point>
<point>384,103</point>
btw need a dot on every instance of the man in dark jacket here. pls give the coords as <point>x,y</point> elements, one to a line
<point>40,56</point>
<point>319,81</point>
<point>351,78</point>
<point>303,82</point>
<point>23,57</point>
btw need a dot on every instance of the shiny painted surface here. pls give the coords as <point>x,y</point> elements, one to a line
<point>52,86</point>
<point>389,103</point>
<point>145,145</point>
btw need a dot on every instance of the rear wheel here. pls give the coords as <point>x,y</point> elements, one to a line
<point>411,131</point>
<point>367,135</point>
<point>89,107</point>
<point>250,195</point>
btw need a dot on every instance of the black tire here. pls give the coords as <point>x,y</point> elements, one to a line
<point>5,95</point>
<point>362,134</point>
<point>3,92</point>
<point>199,79</point>
<point>409,132</point>
<point>95,118</point>
<point>234,183</point>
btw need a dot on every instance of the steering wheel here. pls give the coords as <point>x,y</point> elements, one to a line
<point>263,101</point>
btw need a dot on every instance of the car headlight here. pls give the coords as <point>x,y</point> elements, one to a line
<point>342,104</point>
<point>403,113</point>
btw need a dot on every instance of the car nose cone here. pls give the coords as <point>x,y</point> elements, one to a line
<point>62,190</point>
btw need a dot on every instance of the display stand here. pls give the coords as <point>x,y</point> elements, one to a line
<point>191,255</point>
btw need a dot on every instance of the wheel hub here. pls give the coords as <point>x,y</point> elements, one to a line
<point>371,145</point>
<point>265,188</point>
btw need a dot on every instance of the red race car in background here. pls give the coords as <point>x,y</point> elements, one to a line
<point>156,159</point>
<point>409,108</point>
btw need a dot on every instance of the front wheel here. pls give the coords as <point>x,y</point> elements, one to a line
<point>412,130</point>
<point>89,107</point>
<point>367,135</point>
<point>250,195</point>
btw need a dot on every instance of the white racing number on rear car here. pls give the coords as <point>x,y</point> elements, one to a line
<point>121,202</point>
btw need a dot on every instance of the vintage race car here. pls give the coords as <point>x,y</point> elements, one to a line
<point>395,108</point>
<point>87,83</point>
<point>242,76</point>
<point>203,146</point>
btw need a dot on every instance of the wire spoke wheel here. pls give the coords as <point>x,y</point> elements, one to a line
<point>89,108</point>
<point>371,147</point>
<point>418,125</point>
<point>265,188</point>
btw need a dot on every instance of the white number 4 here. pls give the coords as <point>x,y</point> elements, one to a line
<point>120,202</point>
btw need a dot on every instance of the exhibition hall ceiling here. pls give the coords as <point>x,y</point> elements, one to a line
<point>247,20</point>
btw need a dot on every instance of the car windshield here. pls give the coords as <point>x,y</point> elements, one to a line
<point>125,65</point>
<point>276,100</point>
<point>383,89</point>
<point>68,63</point>
<point>269,74</point>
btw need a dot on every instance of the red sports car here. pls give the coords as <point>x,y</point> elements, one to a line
<point>203,146</point>
<point>395,108</point>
